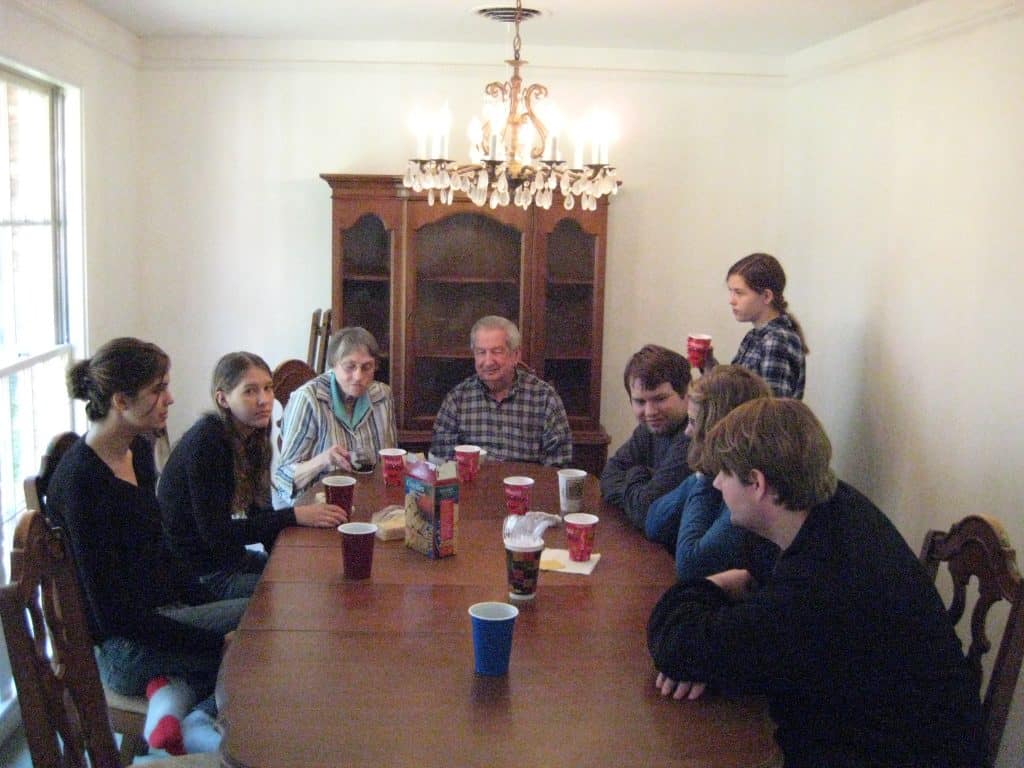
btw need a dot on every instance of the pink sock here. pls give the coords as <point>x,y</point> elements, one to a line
<point>169,700</point>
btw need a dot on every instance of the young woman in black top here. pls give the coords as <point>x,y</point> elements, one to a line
<point>215,489</point>
<point>145,619</point>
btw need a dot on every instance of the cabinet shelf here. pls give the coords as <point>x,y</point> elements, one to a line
<point>444,354</point>
<point>567,354</point>
<point>455,280</point>
<point>356,277</point>
<point>570,281</point>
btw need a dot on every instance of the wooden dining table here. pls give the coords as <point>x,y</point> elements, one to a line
<point>328,672</point>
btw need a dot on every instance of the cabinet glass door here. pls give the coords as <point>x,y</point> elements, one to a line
<point>366,283</point>
<point>465,265</point>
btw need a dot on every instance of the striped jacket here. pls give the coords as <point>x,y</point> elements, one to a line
<point>309,427</point>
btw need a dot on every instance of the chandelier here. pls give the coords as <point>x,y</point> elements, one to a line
<point>514,155</point>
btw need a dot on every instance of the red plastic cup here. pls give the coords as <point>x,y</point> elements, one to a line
<point>393,465</point>
<point>339,490</point>
<point>697,346</point>
<point>467,462</point>
<point>579,533</point>
<point>517,494</point>
<point>523,564</point>
<point>357,549</point>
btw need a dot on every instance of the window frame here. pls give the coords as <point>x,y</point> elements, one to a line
<point>58,204</point>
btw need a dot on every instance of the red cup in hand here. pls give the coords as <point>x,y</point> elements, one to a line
<point>697,346</point>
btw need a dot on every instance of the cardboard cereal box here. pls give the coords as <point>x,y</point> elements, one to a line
<point>431,508</point>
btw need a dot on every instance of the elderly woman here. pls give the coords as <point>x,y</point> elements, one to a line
<point>339,419</point>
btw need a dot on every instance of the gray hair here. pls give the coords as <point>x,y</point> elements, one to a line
<point>497,322</point>
<point>348,340</point>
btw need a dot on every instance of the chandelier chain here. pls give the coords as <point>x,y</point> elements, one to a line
<point>517,41</point>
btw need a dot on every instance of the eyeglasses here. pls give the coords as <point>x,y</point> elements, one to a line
<point>351,368</point>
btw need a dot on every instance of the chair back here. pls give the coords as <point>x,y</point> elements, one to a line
<point>289,376</point>
<point>978,546</point>
<point>59,689</point>
<point>319,335</point>
<point>37,485</point>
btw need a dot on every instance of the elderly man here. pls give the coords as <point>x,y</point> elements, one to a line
<point>653,461</point>
<point>847,636</point>
<point>508,411</point>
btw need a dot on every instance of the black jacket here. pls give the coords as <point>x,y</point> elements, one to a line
<point>196,489</point>
<point>849,640</point>
<point>124,568</point>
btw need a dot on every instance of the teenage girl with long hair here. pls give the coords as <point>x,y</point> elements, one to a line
<point>775,347</point>
<point>215,489</point>
<point>692,521</point>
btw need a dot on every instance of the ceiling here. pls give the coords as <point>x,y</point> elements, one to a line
<point>776,27</point>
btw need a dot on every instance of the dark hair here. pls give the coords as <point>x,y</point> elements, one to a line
<point>782,439</point>
<point>252,453</point>
<point>653,365</point>
<point>715,394</point>
<point>762,271</point>
<point>124,365</point>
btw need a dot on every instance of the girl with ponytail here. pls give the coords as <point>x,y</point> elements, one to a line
<point>775,347</point>
<point>154,634</point>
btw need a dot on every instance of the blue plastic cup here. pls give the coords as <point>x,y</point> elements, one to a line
<point>492,636</point>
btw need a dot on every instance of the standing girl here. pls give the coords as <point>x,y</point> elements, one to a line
<point>775,347</point>
<point>215,490</point>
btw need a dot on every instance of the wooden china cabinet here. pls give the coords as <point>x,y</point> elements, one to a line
<point>418,276</point>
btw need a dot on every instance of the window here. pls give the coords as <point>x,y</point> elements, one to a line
<point>34,318</point>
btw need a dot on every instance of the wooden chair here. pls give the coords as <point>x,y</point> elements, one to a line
<point>59,690</point>
<point>127,713</point>
<point>978,546</point>
<point>36,485</point>
<point>287,377</point>
<point>319,335</point>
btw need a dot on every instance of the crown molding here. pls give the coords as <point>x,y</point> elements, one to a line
<point>917,26</point>
<point>85,25</point>
<point>233,53</point>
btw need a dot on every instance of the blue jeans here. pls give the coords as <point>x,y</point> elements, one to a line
<point>237,581</point>
<point>126,665</point>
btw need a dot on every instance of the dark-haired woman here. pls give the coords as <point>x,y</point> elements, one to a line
<point>775,347</point>
<point>146,621</point>
<point>215,490</point>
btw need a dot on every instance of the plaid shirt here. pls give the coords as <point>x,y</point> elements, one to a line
<point>528,425</point>
<point>777,355</point>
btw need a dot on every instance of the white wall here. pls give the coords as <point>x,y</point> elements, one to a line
<point>67,43</point>
<point>902,234</point>
<point>884,171</point>
<point>237,235</point>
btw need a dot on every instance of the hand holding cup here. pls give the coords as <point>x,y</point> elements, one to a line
<point>320,515</point>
